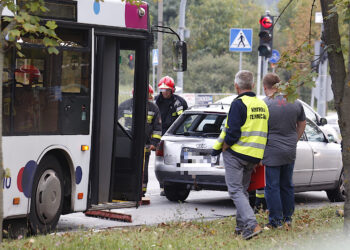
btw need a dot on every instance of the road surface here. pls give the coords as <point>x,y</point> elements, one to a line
<point>199,205</point>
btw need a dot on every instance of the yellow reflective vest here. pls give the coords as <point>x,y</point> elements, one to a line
<point>253,132</point>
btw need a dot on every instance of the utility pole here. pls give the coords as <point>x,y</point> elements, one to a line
<point>182,15</point>
<point>160,41</point>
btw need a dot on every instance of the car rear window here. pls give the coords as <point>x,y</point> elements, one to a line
<point>206,125</point>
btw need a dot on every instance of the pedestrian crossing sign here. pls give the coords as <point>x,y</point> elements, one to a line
<point>241,40</point>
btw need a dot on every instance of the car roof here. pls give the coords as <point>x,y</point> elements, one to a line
<point>229,100</point>
<point>212,107</point>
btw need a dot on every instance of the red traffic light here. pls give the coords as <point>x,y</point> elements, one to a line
<point>266,22</point>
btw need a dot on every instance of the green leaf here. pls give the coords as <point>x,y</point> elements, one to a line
<point>18,46</point>
<point>8,19</point>
<point>29,27</point>
<point>51,25</point>
<point>52,50</point>
<point>14,34</point>
<point>20,54</point>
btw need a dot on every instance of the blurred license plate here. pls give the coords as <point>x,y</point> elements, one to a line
<point>195,155</point>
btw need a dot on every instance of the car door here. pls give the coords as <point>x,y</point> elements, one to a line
<point>303,167</point>
<point>327,156</point>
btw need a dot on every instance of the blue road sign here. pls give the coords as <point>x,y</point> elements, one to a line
<point>155,57</point>
<point>275,57</point>
<point>241,40</point>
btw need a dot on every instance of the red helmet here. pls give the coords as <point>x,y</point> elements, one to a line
<point>167,83</point>
<point>150,90</point>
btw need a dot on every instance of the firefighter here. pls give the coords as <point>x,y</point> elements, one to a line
<point>153,128</point>
<point>171,106</point>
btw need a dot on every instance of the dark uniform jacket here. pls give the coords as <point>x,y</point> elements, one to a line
<point>153,124</point>
<point>170,109</point>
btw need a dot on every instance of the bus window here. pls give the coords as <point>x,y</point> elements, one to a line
<point>6,99</point>
<point>52,92</point>
<point>125,91</point>
<point>75,71</point>
<point>75,89</point>
<point>29,103</point>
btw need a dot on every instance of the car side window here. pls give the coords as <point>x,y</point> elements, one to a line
<point>310,114</point>
<point>186,124</point>
<point>208,119</point>
<point>313,133</point>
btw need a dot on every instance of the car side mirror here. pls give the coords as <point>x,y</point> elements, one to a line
<point>323,121</point>
<point>331,138</point>
<point>179,56</point>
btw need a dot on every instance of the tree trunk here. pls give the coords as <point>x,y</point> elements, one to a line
<point>1,160</point>
<point>341,90</point>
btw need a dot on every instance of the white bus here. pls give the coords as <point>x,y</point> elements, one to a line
<point>62,143</point>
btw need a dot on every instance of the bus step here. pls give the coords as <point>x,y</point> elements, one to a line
<point>113,205</point>
<point>109,215</point>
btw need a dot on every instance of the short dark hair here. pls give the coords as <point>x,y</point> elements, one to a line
<point>270,79</point>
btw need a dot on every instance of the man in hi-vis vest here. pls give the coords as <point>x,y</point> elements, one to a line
<point>242,142</point>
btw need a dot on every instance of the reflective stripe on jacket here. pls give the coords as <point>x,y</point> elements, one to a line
<point>153,127</point>
<point>170,109</point>
<point>253,132</point>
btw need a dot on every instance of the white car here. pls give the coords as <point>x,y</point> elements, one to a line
<point>184,163</point>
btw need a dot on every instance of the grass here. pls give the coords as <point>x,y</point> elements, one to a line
<point>311,229</point>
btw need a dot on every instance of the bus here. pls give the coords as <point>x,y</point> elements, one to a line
<point>63,148</point>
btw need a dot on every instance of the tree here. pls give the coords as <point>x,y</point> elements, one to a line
<point>340,85</point>
<point>23,24</point>
<point>332,11</point>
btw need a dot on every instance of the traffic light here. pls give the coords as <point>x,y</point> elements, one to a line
<point>266,35</point>
<point>131,61</point>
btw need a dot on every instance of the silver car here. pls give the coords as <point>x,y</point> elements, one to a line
<point>184,163</point>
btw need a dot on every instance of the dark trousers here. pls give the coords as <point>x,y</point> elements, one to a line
<point>279,193</point>
<point>145,172</point>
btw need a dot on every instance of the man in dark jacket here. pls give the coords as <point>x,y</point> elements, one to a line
<point>171,106</point>
<point>153,128</point>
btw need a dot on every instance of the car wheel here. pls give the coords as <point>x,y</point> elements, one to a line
<point>47,196</point>
<point>176,192</point>
<point>338,194</point>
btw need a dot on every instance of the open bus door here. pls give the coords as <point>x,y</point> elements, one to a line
<point>117,148</point>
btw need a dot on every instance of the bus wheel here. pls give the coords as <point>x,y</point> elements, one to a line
<point>47,196</point>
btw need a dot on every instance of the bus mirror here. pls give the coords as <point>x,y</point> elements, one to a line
<point>179,56</point>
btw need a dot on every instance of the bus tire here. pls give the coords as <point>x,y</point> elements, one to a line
<point>47,196</point>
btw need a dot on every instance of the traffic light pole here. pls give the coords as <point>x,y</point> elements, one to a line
<point>181,33</point>
<point>258,80</point>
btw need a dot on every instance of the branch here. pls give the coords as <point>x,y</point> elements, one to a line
<point>290,1</point>
<point>312,8</point>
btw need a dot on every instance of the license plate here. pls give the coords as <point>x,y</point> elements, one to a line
<point>195,155</point>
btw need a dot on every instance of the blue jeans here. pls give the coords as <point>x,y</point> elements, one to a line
<point>279,193</point>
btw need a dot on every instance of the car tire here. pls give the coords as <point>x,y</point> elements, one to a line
<point>176,192</point>
<point>338,194</point>
<point>47,196</point>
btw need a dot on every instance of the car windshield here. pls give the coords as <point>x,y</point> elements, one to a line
<point>206,125</point>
